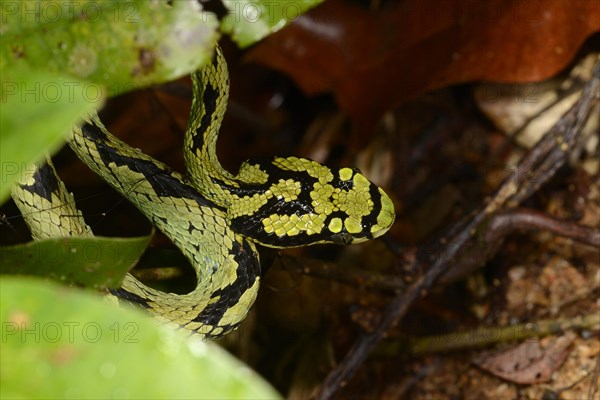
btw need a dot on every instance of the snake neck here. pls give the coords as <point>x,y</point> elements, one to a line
<point>211,91</point>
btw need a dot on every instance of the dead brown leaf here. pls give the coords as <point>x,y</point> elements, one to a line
<point>375,60</point>
<point>528,363</point>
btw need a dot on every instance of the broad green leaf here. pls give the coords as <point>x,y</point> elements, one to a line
<point>98,262</point>
<point>37,109</point>
<point>58,342</point>
<point>248,21</point>
<point>121,45</point>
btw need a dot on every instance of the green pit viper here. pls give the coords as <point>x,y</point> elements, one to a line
<point>212,216</point>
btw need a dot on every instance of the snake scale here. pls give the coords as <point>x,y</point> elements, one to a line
<point>213,217</point>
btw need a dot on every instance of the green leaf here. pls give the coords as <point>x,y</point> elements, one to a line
<point>98,262</point>
<point>121,45</point>
<point>61,343</point>
<point>249,21</point>
<point>38,108</point>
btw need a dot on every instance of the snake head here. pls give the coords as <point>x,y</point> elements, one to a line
<point>303,202</point>
<point>357,210</point>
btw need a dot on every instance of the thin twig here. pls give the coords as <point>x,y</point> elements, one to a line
<point>335,272</point>
<point>485,336</point>
<point>504,223</point>
<point>498,226</point>
<point>525,220</point>
<point>537,167</point>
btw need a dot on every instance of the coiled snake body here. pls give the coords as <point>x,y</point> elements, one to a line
<point>213,217</point>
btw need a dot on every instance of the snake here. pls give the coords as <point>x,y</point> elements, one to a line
<point>216,219</point>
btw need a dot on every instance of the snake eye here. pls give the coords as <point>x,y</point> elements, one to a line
<point>341,238</point>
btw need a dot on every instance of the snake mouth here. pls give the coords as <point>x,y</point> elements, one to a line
<point>379,233</point>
